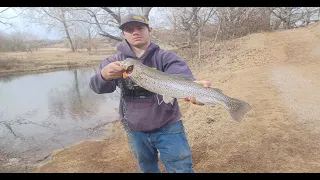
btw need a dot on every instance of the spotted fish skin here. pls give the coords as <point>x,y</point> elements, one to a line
<point>178,86</point>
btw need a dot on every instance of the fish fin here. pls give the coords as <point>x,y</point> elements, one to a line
<point>167,99</point>
<point>207,102</point>
<point>216,89</point>
<point>182,77</point>
<point>238,108</point>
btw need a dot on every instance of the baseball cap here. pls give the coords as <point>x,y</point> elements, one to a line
<point>133,18</point>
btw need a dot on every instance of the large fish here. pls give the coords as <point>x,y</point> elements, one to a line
<point>172,86</point>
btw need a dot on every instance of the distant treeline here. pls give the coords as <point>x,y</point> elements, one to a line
<point>22,42</point>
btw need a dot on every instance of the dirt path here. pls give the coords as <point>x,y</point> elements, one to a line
<point>278,74</point>
<point>301,94</point>
<point>297,79</point>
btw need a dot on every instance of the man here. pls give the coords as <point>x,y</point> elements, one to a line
<point>151,128</point>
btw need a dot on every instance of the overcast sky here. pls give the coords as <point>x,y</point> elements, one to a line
<point>157,19</point>
<point>23,26</point>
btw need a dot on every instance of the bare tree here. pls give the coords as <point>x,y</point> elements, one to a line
<point>85,35</point>
<point>293,17</point>
<point>191,21</point>
<point>59,14</point>
<point>113,22</point>
<point>50,16</point>
<point>309,15</point>
<point>107,20</point>
<point>240,21</point>
<point>4,42</point>
<point>18,41</point>
<point>283,15</point>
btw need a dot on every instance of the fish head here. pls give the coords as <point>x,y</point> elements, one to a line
<point>128,65</point>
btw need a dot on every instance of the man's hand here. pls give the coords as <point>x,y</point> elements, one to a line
<point>192,99</point>
<point>112,71</point>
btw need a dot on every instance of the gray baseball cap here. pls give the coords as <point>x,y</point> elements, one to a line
<point>133,18</point>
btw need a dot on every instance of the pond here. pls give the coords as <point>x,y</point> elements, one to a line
<point>40,113</point>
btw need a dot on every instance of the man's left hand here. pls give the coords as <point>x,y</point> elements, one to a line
<point>192,99</point>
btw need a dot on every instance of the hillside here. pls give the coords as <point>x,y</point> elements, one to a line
<point>277,73</point>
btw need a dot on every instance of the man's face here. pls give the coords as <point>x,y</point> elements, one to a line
<point>137,34</point>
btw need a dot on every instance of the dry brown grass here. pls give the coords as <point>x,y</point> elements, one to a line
<point>54,59</point>
<point>49,59</point>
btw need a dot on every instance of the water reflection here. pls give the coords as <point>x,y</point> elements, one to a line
<point>9,78</point>
<point>42,112</point>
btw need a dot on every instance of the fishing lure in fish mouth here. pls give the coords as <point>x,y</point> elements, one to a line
<point>128,66</point>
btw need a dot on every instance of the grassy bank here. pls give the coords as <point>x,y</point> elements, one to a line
<point>50,59</point>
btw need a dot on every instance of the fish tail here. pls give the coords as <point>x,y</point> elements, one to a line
<point>238,108</point>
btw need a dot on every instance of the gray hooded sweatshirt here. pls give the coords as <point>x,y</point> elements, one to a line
<point>144,115</point>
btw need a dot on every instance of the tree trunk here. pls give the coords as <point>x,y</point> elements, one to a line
<point>68,36</point>
<point>288,17</point>
<point>216,36</point>
<point>308,18</point>
<point>267,19</point>
<point>287,23</point>
<point>146,11</point>
<point>277,24</point>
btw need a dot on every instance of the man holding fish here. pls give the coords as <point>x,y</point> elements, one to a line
<point>153,122</point>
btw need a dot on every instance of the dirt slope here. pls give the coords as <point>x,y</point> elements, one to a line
<point>277,73</point>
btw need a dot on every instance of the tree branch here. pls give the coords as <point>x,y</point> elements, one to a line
<point>146,11</point>
<point>86,21</point>
<point>114,15</point>
<point>110,36</point>
<point>13,16</point>
<point>211,13</point>
<point>216,36</point>
<point>103,33</point>
<point>51,15</point>
<point>4,23</point>
<point>4,10</point>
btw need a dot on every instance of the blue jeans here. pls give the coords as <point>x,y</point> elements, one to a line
<point>170,142</point>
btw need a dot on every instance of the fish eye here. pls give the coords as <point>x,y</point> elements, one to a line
<point>130,68</point>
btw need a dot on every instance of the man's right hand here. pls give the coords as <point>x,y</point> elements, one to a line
<point>112,71</point>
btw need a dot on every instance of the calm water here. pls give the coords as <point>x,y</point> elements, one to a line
<point>43,112</point>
